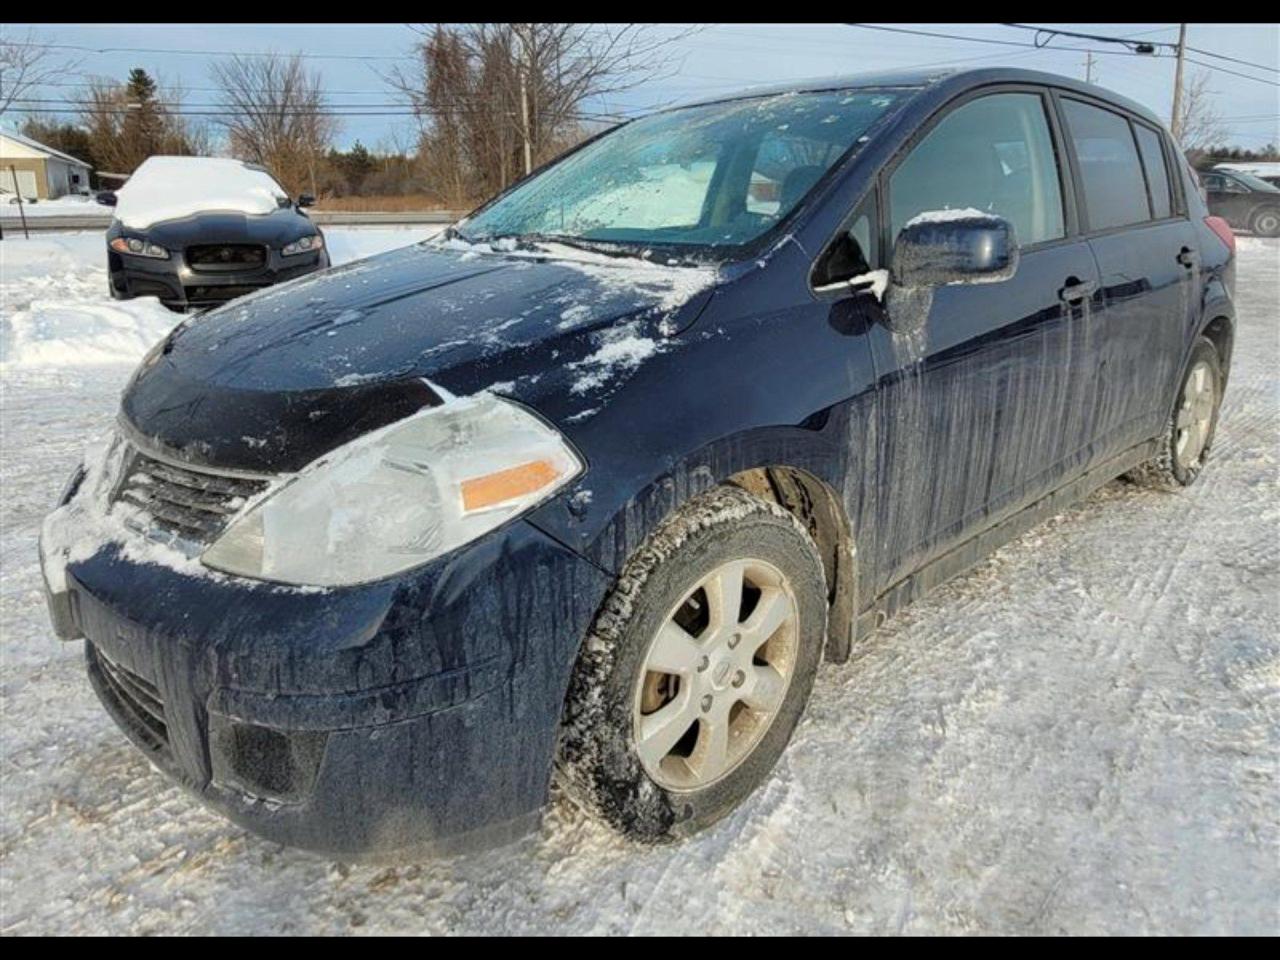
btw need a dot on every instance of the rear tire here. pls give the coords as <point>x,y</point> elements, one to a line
<point>1188,437</point>
<point>1266,222</point>
<point>716,623</point>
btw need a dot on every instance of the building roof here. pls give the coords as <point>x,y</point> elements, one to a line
<point>41,148</point>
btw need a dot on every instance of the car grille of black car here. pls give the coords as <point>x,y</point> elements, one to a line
<point>181,506</point>
<point>226,256</point>
<point>221,293</point>
<point>138,698</point>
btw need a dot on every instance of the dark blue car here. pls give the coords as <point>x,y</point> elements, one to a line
<point>589,487</point>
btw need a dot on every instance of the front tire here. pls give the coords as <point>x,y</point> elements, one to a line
<point>697,668</point>
<point>1185,446</point>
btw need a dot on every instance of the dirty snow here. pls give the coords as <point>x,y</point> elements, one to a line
<point>1081,736</point>
<point>168,188</point>
<point>55,308</point>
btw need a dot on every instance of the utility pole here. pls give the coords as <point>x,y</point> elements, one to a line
<point>1088,66</point>
<point>524,103</point>
<point>1175,122</point>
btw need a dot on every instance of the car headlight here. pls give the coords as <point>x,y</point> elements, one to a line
<point>139,248</point>
<point>399,496</point>
<point>303,245</point>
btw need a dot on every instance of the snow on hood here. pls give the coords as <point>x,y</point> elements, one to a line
<point>669,284</point>
<point>169,188</point>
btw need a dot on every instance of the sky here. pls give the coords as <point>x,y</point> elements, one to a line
<point>715,58</point>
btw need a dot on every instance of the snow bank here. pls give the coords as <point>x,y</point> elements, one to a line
<point>168,188</point>
<point>55,310</point>
<point>68,206</point>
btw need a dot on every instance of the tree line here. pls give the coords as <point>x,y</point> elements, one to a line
<point>488,101</point>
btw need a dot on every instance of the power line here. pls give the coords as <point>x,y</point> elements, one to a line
<point>1223,56</point>
<point>1002,43</point>
<point>222,53</point>
<point>1234,73</point>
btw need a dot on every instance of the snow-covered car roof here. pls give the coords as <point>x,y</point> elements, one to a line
<point>169,188</point>
<point>1259,168</point>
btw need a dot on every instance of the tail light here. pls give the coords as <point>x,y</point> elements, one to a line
<point>1223,230</point>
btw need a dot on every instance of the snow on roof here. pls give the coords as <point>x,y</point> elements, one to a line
<point>1259,168</point>
<point>41,148</point>
<point>169,188</point>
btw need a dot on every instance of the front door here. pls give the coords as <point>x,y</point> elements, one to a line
<point>981,404</point>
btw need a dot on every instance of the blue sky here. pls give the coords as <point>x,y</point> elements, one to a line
<point>717,58</point>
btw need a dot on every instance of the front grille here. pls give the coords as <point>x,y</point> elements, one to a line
<point>178,505</point>
<point>214,257</point>
<point>138,698</point>
<point>220,294</point>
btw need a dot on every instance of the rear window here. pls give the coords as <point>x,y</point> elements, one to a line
<point>1115,192</point>
<point>1157,173</point>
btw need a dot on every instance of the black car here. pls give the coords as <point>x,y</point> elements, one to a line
<point>199,231</point>
<point>593,484</point>
<point>1243,200</point>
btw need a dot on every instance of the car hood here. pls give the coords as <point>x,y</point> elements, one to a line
<point>277,378</point>
<point>276,228</point>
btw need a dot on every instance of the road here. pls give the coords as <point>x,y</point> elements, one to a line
<point>1080,736</point>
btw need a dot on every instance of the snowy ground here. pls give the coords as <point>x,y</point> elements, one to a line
<point>1081,736</point>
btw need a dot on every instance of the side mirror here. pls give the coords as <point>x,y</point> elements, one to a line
<point>107,198</point>
<point>306,200</point>
<point>946,247</point>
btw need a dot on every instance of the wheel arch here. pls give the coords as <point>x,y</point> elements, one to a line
<point>799,468</point>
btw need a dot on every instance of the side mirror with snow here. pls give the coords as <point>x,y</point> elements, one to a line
<point>106,198</point>
<point>954,246</point>
<point>306,200</point>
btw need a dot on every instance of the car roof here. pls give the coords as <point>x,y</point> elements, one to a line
<point>958,80</point>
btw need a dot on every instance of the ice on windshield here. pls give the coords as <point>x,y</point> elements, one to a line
<point>169,188</point>
<point>713,175</point>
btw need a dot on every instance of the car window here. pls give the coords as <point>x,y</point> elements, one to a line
<point>1153,163</point>
<point>715,175</point>
<point>994,154</point>
<point>1211,181</point>
<point>1115,192</point>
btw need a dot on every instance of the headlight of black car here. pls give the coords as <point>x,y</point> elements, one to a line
<point>303,245</point>
<point>139,248</point>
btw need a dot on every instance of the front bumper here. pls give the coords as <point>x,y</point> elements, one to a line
<point>177,285</point>
<point>411,717</point>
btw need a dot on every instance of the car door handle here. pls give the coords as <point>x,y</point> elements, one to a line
<point>1077,290</point>
<point>1187,257</point>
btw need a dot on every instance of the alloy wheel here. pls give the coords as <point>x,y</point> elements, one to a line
<point>715,675</point>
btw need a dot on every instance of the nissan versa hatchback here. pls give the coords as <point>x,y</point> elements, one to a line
<point>590,486</point>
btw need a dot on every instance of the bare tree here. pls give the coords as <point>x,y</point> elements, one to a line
<point>275,113</point>
<point>128,122</point>
<point>26,63</point>
<point>482,91</point>
<point>1199,123</point>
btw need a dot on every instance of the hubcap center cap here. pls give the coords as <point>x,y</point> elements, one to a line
<point>722,673</point>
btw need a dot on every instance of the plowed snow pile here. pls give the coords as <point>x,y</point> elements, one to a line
<point>1081,736</point>
<point>55,309</point>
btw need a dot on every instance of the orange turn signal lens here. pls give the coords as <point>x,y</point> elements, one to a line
<point>510,484</point>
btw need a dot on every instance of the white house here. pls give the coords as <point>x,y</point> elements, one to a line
<point>39,172</point>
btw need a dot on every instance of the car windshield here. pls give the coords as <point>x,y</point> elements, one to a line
<point>1254,183</point>
<point>716,175</point>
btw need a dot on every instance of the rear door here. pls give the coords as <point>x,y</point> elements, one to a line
<point>1147,254</point>
<point>981,410</point>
